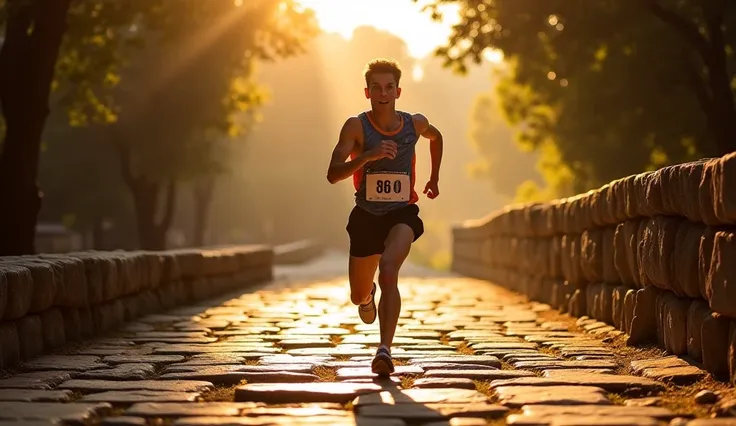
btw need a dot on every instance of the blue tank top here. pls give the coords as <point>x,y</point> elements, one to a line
<point>387,184</point>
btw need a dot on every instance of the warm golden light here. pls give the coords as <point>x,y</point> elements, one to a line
<point>417,73</point>
<point>403,18</point>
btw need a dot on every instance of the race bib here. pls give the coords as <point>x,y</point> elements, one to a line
<point>387,187</point>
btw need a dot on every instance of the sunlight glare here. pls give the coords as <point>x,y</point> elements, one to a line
<point>403,18</point>
<point>493,56</point>
<point>417,73</point>
<point>238,3</point>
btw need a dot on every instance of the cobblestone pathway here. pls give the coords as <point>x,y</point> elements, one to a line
<point>295,353</point>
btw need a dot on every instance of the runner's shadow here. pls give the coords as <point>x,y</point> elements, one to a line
<point>391,407</point>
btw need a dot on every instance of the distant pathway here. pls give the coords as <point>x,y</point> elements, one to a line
<point>294,353</point>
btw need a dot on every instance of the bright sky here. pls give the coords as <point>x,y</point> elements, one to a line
<point>402,18</point>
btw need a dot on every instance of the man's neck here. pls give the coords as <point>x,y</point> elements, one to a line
<point>387,120</point>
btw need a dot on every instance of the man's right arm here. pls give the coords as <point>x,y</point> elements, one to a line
<point>340,169</point>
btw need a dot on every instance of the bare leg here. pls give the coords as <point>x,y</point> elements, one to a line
<point>398,244</point>
<point>361,271</point>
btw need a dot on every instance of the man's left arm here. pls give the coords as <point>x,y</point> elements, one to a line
<point>427,130</point>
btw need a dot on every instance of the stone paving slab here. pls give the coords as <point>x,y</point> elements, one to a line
<point>294,353</point>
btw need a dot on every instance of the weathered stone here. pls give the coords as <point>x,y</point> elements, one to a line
<point>478,374</point>
<point>272,368</point>
<point>558,372</point>
<point>452,366</point>
<point>303,392</point>
<point>706,397</point>
<point>289,421</point>
<point>124,421</point>
<point>430,382</point>
<point>609,382</point>
<point>517,396</point>
<point>674,325</point>
<point>230,376</point>
<point>69,413</point>
<point>214,349</point>
<point>365,372</point>
<point>644,321</point>
<point>714,336</point>
<point>677,375</point>
<point>9,344</point>
<point>713,422</point>
<point>64,362</point>
<point>135,396</point>
<point>152,385</point>
<point>430,411</point>
<point>35,395</point>
<point>557,364</point>
<point>146,359</point>
<point>460,421</point>
<point>35,380</point>
<point>579,420</point>
<point>120,372</point>
<point>422,396</point>
<point>335,351</point>
<point>638,366</point>
<point>177,409</point>
<point>52,324</point>
<point>30,336</point>
<point>490,361</point>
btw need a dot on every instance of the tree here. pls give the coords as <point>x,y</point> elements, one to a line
<point>613,99</point>
<point>500,160</point>
<point>171,119</point>
<point>33,34</point>
<point>81,63</point>
<point>82,186</point>
<point>36,33</point>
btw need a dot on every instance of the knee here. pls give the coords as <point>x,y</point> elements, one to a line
<point>358,297</point>
<point>388,273</point>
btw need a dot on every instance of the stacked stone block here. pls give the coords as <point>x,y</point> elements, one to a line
<point>652,254</point>
<point>48,300</point>
<point>298,252</point>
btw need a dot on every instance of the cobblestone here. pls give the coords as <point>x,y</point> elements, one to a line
<point>295,353</point>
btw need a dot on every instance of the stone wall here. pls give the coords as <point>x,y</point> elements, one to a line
<point>297,252</point>
<point>653,255</point>
<point>49,300</point>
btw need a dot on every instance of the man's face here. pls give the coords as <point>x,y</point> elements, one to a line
<point>382,90</point>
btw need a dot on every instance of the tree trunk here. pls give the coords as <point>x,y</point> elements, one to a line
<point>719,81</point>
<point>714,91</point>
<point>151,235</point>
<point>33,35</point>
<point>203,193</point>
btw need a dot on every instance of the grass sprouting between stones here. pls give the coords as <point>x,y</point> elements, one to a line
<point>221,393</point>
<point>325,374</point>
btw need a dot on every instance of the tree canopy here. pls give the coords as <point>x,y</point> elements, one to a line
<point>167,81</point>
<point>616,86</point>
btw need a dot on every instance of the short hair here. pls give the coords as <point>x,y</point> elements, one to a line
<point>381,66</point>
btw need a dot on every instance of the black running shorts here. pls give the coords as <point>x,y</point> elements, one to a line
<point>368,232</point>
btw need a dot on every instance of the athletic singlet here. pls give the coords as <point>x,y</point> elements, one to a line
<point>387,184</point>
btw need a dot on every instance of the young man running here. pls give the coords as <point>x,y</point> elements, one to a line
<point>385,220</point>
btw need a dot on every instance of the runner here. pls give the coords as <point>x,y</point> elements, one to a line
<point>385,219</point>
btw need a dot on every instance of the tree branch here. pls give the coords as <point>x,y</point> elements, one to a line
<point>684,26</point>
<point>695,81</point>
<point>714,12</point>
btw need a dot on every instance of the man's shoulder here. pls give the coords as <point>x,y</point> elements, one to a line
<point>356,118</point>
<point>353,124</point>
<point>421,122</point>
